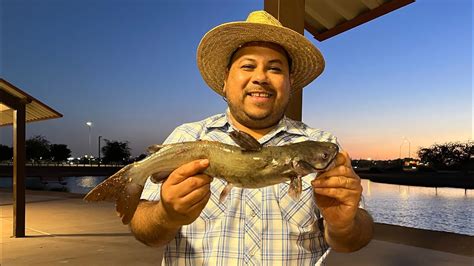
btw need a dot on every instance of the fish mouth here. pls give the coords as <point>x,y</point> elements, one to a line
<point>330,164</point>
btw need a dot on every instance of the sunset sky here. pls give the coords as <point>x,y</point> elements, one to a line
<point>129,67</point>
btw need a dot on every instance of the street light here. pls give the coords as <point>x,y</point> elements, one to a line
<point>89,124</point>
<point>409,144</point>
<point>99,151</point>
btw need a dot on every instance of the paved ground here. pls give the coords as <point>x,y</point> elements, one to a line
<point>64,230</point>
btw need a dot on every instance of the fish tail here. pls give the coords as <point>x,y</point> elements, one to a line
<point>120,189</point>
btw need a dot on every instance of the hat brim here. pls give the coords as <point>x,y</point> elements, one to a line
<point>216,47</point>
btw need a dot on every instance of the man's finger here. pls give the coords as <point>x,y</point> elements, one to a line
<point>343,158</point>
<point>336,182</point>
<point>187,170</point>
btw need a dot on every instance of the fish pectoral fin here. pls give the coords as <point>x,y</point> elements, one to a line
<point>154,148</point>
<point>245,141</point>
<point>303,168</point>
<point>296,187</point>
<point>225,192</point>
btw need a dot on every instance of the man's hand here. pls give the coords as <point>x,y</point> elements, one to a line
<point>337,194</point>
<point>185,193</point>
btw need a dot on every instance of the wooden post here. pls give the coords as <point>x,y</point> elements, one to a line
<point>291,14</point>
<point>19,160</point>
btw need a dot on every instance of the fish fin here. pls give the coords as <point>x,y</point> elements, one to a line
<point>118,188</point>
<point>245,141</point>
<point>159,176</point>
<point>154,148</point>
<point>303,168</point>
<point>295,188</point>
<point>127,205</point>
<point>225,192</point>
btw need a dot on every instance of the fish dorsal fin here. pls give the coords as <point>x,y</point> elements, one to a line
<point>245,141</point>
<point>154,148</point>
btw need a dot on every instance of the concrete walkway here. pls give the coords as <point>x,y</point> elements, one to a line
<point>64,230</point>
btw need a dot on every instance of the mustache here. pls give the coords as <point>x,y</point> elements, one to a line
<point>262,89</point>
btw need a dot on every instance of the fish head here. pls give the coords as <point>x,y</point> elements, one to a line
<point>320,155</point>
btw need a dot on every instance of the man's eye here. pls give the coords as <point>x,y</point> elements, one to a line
<point>247,67</point>
<point>275,69</point>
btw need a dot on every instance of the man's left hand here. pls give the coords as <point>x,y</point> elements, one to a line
<point>337,193</point>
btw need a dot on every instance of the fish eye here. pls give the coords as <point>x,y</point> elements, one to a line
<point>324,156</point>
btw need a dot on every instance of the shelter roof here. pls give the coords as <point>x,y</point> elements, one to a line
<point>11,97</point>
<point>327,18</point>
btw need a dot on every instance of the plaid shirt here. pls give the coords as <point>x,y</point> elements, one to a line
<point>252,226</point>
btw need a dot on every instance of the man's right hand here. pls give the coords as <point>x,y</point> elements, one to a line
<point>185,193</point>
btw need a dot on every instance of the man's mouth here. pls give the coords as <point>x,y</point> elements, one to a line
<point>260,94</point>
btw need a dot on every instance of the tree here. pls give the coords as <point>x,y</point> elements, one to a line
<point>451,155</point>
<point>115,151</point>
<point>59,152</point>
<point>37,148</point>
<point>6,153</point>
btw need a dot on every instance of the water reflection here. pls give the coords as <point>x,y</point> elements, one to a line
<point>441,209</point>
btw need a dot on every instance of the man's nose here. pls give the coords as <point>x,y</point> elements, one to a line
<point>259,76</point>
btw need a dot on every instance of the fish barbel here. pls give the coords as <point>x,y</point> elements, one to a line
<point>247,166</point>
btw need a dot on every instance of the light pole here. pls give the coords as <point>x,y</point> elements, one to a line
<point>403,142</point>
<point>99,151</point>
<point>89,124</point>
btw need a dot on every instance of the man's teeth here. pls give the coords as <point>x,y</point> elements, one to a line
<point>260,94</point>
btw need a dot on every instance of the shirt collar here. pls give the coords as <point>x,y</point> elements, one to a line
<point>284,125</point>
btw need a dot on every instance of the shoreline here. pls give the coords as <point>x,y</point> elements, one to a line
<point>423,179</point>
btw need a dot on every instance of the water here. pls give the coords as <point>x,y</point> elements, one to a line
<point>72,184</point>
<point>441,209</point>
<point>438,209</point>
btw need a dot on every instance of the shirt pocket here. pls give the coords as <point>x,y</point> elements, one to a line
<point>214,209</point>
<point>299,212</point>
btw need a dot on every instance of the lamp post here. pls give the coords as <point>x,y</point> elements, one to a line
<point>89,124</point>
<point>99,151</point>
<point>409,144</point>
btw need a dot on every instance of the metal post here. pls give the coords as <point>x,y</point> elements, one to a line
<point>90,145</point>
<point>98,163</point>
<point>89,124</point>
<point>19,171</point>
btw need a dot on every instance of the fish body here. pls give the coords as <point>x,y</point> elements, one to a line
<point>247,166</point>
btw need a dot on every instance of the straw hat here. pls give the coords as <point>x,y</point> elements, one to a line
<point>216,47</point>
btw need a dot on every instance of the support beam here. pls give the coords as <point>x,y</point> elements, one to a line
<point>379,11</point>
<point>9,100</point>
<point>291,14</point>
<point>19,160</point>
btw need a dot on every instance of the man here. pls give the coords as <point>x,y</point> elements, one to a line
<point>255,65</point>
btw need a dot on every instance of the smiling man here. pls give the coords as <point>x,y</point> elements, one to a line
<point>255,65</point>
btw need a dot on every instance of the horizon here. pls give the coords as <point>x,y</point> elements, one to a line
<point>129,68</point>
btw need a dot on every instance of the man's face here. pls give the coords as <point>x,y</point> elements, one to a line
<point>257,86</point>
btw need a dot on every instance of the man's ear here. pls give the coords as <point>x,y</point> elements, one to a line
<point>223,88</point>
<point>225,81</point>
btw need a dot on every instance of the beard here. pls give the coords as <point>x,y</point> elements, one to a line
<point>257,120</point>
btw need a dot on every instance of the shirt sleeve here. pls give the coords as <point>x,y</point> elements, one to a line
<point>186,132</point>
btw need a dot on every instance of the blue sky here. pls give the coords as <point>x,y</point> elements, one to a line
<point>129,67</point>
